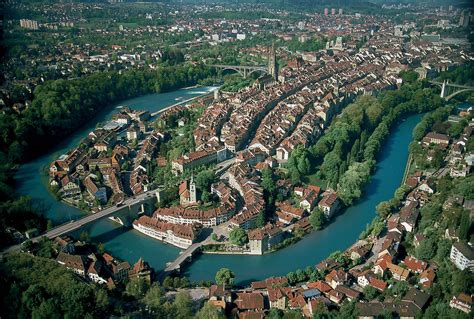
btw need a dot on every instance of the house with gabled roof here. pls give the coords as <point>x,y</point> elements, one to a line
<point>427,278</point>
<point>415,265</point>
<point>76,263</point>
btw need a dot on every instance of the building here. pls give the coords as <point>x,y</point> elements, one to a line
<point>187,192</point>
<point>69,188</point>
<point>193,160</point>
<point>272,63</point>
<point>462,256</point>
<point>29,24</point>
<point>133,133</point>
<point>97,272</point>
<point>76,263</point>
<point>277,298</point>
<point>99,193</point>
<point>427,278</point>
<point>398,273</point>
<point>415,265</point>
<point>65,244</point>
<point>398,32</point>
<point>465,19</point>
<point>462,302</point>
<point>261,240</point>
<point>181,236</point>
<point>436,138</point>
<point>252,301</point>
<point>326,11</point>
<point>409,216</point>
<point>329,204</point>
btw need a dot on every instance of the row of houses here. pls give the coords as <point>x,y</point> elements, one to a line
<point>99,268</point>
<point>179,235</point>
<point>206,217</point>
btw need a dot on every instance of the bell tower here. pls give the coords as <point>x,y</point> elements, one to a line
<point>272,63</point>
<point>192,191</point>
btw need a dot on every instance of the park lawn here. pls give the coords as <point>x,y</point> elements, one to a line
<point>313,180</point>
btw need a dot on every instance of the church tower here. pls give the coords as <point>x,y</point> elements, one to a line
<point>192,191</point>
<point>272,63</point>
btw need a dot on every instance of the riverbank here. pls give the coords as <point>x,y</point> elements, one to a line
<point>179,103</point>
<point>31,180</point>
<point>129,245</point>
<point>343,232</point>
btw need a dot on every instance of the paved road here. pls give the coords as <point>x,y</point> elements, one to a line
<point>182,257</point>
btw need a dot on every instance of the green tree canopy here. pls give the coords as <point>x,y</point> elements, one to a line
<point>225,277</point>
<point>238,236</point>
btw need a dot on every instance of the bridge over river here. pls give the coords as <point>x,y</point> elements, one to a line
<point>124,212</point>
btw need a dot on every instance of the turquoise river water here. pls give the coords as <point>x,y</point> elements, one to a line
<point>128,244</point>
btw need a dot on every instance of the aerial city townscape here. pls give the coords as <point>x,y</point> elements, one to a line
<point>237,159</point>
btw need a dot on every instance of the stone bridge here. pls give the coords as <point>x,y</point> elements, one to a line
<point>243,70</point>
<point>450,90</point>
<point>124,213</point>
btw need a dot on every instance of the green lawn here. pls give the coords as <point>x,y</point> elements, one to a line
<point>313,180</point>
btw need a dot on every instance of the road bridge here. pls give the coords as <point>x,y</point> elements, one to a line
<point>455,89</point>
<point>183,257</point>
<point>243,70</point>
<point>125,212</point>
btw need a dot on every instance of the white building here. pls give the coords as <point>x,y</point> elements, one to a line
<point>181,236</point>
<point>462,256</point>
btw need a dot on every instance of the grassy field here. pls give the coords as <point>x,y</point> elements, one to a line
<point>313,180</point>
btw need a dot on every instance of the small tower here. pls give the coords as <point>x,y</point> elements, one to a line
<point>217,95</point>
<point>336,88</point>
<point>192,190</point>
<point>272,63</point>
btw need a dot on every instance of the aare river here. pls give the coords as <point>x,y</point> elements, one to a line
<point>128,244</point>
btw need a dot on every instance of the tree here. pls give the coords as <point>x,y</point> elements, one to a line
<point>464,226</point>
<point>154,295</point>
<point>401,191</point>
<point>260,221</point>
<point>204,180</point>
<point>137,288</point>
<point>182,305</point>
<point>225,277</point>
<point>317,218</point>
<point>84,236</point>
<point>298,164</point>
<point>238,236</point>
<point>399,288</point>
<point>463,281</point>
<point>465,186</point>
<point>168,282</point>
<point>351,183</point>
<point>209,311</point>
<point>268,181</point>
<point>426,250</point>
<point>275,313</point>
<point>385,314</point>
<point>214,237</point>
<point>45,248</point>
<point>370,293</point>
<point>384,209</point>
<point>101,248</point>
<point>102,300</point>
